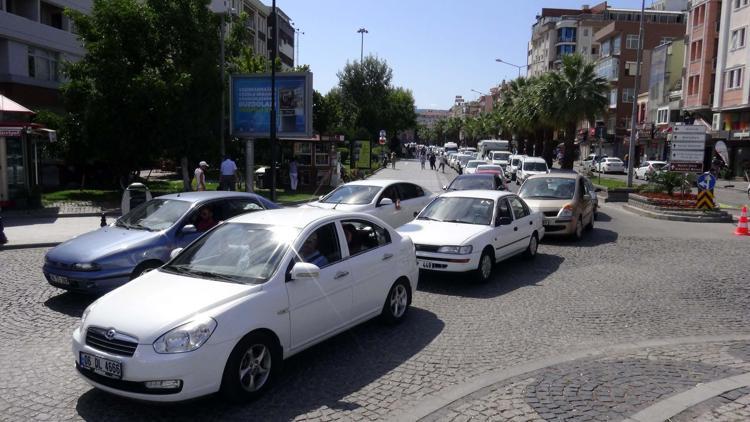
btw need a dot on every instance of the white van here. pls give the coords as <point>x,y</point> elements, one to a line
<point>530,166</point>
<point>501,158</point>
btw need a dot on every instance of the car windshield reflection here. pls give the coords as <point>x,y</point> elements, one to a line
<point>235,252</point>
<point>459,210</point>
<point>548,188</point>
<point>154,215</point>
<point>352,195</point>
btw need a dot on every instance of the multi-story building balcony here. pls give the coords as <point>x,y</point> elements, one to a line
<point>608,68</point>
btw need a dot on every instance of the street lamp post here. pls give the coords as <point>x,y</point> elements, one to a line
<point>514,65</point>
<point>362,32</point>
<point>631,147</point>
<point>296,46</point>
<point>274,49</point>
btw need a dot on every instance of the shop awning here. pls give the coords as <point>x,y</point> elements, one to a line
<point>9,106</point>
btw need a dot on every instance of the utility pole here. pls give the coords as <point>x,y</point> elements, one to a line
<point>631,147</point>
<point>222,30</point>
<point>362,32</point>
<point>274,48</point>
<point>296,46</point>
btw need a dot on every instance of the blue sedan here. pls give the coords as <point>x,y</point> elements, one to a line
<point>141,240</point>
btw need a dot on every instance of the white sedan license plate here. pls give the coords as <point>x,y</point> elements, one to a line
<point>108,368</point>
<point>59,279</point>
<point>427,265</point>
<point>546,222</point>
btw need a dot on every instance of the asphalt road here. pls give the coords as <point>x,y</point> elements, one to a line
<point>586,310</point>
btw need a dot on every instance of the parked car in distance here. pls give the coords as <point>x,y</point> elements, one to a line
<point>470,231</point>
<point>530,166</point>
<point>477,182</point>
<point>567,201</point>
<point>471,166</point>
<point>590,162</point>
<point>610,165</point>
<point>225,312</point>
<point>141,240</point>
<point>393,201</point>
<point>648,169</point>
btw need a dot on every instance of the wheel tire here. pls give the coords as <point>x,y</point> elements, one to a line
<point>483,273</point>
<point>143,268</point>
<point>578,232</point>
<point>256,355</point>
<point>397,303</point>
<point>590,226</point>
<point>530,252</point>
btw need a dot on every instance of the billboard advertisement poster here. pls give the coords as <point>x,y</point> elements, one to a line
<point>250,105</point>
<point>362,152</point>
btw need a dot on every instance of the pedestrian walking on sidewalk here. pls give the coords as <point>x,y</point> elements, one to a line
<point>432,161</point>
<point>422,159</point>
<point>293,174</point>
<point>443,162</point>
<point>200,176</point>
<point>228,179</point>
<point>393,160</point>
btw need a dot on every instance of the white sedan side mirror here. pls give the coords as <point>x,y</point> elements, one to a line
<point>305,271</point>
<point>385,201</point>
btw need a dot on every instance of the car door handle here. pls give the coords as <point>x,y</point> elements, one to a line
<point>531,223</point>
<point>515,229</point>
<point>341,274</point>
<point>387,256</point>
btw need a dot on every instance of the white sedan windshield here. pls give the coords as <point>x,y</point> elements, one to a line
<point>459,210</point>
<point>352,195</point>
<point>236,252</point>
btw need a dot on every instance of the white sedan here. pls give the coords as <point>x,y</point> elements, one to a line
<point>471,166</point>
<point>257,289</point>
<point>470,231</point>
<point>648,169</point>
<point>393,201</point>
<point>610,165</point>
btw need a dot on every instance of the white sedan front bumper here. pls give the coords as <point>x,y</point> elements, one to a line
<point>200,371</point>
<point>433,261</point>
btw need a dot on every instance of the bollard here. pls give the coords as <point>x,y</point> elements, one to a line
<point>104,221</point>
<point>3,239</point>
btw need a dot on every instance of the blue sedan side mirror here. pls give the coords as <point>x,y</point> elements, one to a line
<point>189,228</point>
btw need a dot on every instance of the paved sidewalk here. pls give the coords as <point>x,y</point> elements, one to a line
<point>39,232</point>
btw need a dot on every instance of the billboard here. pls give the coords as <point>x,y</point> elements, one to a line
<point>250,105</point>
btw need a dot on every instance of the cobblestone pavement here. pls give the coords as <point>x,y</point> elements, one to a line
<point>731,406</point>
<point>630,279</point>
<point>607,388</point>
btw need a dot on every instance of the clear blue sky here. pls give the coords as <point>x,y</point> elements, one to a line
<point>438,48</point>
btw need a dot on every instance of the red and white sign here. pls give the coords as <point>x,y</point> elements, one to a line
<point>10,131</point>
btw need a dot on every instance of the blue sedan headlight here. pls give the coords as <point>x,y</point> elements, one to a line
<point>89,266</point>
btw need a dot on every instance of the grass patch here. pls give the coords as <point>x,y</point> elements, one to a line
<point>609,183</point>
<point>93,195</point>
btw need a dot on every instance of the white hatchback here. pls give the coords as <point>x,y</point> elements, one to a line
<point>226,310</point>
<point>471,230</point>
<point>393,201</point>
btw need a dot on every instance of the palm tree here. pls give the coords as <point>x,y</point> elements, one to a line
<point>574,93</point>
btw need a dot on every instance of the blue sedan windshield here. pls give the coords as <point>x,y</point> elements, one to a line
<point>154,215</point>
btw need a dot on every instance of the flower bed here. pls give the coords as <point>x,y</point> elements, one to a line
<point>664,200</point>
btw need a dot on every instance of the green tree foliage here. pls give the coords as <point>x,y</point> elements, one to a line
<point>148,83</point>
<point>370,103</point>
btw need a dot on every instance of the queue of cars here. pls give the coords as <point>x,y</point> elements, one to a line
<point>225,307</point>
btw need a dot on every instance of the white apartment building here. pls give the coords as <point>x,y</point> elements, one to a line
<point>35,37</point>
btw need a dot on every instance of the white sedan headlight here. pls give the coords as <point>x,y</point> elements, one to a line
<point>186,337</point>
<point>85,315</point>
<point>459,250</point>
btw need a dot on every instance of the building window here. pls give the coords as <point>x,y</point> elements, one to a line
<point>628,95</point>
<point>566,35</point>
<point>616,45</point>
<point>696,50</point>
<point>565,49</point>
<point>613,98</point>
<point>605,49</point>
<point>740,3</point>
<point>693,84</point>
<point>51,15</point>
<point>662,116</point>
<point>43,64</point>
<point>631,41</point>
<point>608,69</point>
<point>630,68</point>
<point>738,38</point>
<point>734,78</point>
<point>322,156</point>
<point>585,32</point>
<point>594,50</point>
<point>303,152</point>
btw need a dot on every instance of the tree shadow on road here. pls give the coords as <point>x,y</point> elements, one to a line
<point>69,303</point>
<point>508,275</point>
<point>323,376</point>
